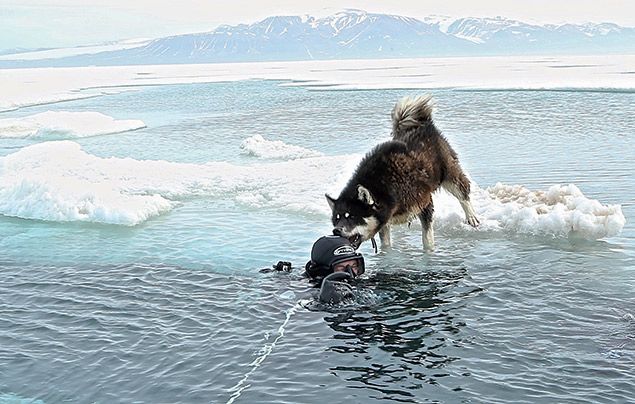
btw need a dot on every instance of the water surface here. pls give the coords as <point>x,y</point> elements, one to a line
<point>175,310</point>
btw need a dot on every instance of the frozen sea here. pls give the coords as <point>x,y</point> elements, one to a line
<point>134,220</point>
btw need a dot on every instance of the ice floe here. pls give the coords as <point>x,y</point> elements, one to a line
<point>58,181</point>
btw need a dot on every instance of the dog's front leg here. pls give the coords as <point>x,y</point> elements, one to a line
<point>384,236</point>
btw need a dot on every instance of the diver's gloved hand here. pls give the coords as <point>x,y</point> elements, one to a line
<point>281,266</point>
<point>335,289</point>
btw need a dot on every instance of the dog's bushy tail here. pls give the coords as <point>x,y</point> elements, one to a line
<point>411,112</point>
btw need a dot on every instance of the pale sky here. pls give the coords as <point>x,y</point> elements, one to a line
<point>59,23</point>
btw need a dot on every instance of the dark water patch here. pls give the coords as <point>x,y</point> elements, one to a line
<point>400,343</point>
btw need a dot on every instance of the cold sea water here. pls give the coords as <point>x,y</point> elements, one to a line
<point>129,262</point>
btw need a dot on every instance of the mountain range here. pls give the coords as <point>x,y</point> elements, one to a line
<point>355,34</point>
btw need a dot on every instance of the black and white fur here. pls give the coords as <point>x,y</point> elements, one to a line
<point>394,182</point>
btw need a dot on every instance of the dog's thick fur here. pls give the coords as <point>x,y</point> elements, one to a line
<point>394,182</point>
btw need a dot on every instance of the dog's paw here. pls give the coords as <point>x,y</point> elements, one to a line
<point>472,221</point>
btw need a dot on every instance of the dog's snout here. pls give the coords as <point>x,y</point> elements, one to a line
<point>337,231</point>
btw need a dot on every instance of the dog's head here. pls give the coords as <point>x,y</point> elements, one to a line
<point>356,217</point>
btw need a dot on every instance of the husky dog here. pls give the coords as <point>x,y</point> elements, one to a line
<point>394,182</point>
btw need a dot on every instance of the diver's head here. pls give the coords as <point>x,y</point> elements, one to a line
<point>334,254</point>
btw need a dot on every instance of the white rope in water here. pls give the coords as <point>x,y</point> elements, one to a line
<point>268,348</point>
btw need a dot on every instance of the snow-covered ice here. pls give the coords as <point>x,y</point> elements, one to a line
<point>59,181</point>
<point>22,87</point>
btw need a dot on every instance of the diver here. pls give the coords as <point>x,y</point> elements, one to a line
<point>334,263</point>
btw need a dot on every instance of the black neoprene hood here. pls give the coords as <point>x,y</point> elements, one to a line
<point>328,251</point>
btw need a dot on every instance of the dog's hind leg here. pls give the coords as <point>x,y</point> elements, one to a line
<point>384,236</point>
<point>427,232</point>
<point>459,186</point>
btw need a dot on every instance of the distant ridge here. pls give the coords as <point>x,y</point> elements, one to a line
<point>355,34</point>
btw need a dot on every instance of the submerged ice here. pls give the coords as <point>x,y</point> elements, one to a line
<point>58,181</point>
<point>65,125</point>
<point>258,146</point>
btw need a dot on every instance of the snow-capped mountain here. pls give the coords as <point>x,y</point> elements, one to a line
<point>358,34</point>
<point>500,36</point>
<point>343,35</point>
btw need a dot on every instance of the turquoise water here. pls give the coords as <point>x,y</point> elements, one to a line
<point>174,309</point>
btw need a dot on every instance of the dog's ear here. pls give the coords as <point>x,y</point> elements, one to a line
<point>330,200</point>
<point>364,195</point>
